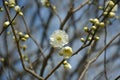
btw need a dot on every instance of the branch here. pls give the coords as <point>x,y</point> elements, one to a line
<point>18,47</point>
<point>71,11</point>
<point>96,57</point>
<point>80,6</point>
<point>28,31</point>
<point>52,71</point>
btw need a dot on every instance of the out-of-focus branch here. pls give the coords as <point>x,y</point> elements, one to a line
<point>96,57</point>
<point>9,24</point>
<point>18,46</point>
<point>71,12</point>
<point>28,31</point>
<point>80,6</point>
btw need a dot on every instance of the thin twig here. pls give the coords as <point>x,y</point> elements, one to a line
<point>52,71</point>
<point>28,31</point>
<point>80,6</point>
<point>71,11</point>
<point>105,63</point>
<point>9,24</point>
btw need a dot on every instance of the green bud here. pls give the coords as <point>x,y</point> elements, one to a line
<point>97,38</point>
<point>1,9</point>
<point>6,3</point>
<point>100,8</point>
<point>24,47</point>
<point>94,28</point>
<point>105,13</point>
<point>96,21</point>
<point>86,29</point>
<point>111,14</point>
<point>82,39</point>
<point>23,39</point>
<point>102,24</point>
<point>17,9</point>
<point>6,23</point>
<point>2,59</point>
<point>20,13</point>
<point>20,34</point>
<point>111,3</point>
<point>89,38</point>
<point>91,20</point>
<point>26,36</point>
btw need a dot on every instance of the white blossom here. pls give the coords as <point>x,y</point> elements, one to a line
<point>59,38</point>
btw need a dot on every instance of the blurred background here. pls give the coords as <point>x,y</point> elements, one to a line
<point>42,21</point>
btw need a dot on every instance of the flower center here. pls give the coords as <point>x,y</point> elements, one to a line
<point>67,51</point>
<point>59,38</point>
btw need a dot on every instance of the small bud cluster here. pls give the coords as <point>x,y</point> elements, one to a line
<point>110,9</point>
<point>23,47</point>
<point>67,65</point>
<point>96,23</point>
<point>1,9</point>
<point>7,23</point>
<point>46,3</point>
<point>12,4</point>
<point>21,36</point>
<point>110,6</point>
<point>25,57</point>
<point>18,10</point>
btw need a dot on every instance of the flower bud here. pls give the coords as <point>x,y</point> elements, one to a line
<point>20,34</point>
<point>65,62</point>
<point>86,29</point>
<point>111,14</point>
<point>82,39</point>
<point>111,3</point>
<point>66,52</point>
<point>23,39</point>
<point>20,13</point>
<point>96,21</point>
<point>1,9</point>
<point>45,3</point>
<point>26,36</point>
<point>11,3</point>
<point>54,8</point>
<point>6,23</point>
<point>91,20</point>
<point>100,7</point>
<point>97,38</point>
<point>6,3</point>
<point>67,65</point>
<point>89,38</point>
<point>94,28</point>
<point>105,13</point>
<point>24,47</point>
<point>2,59</point>
<point>17,9</point>
<point>102,24</point>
